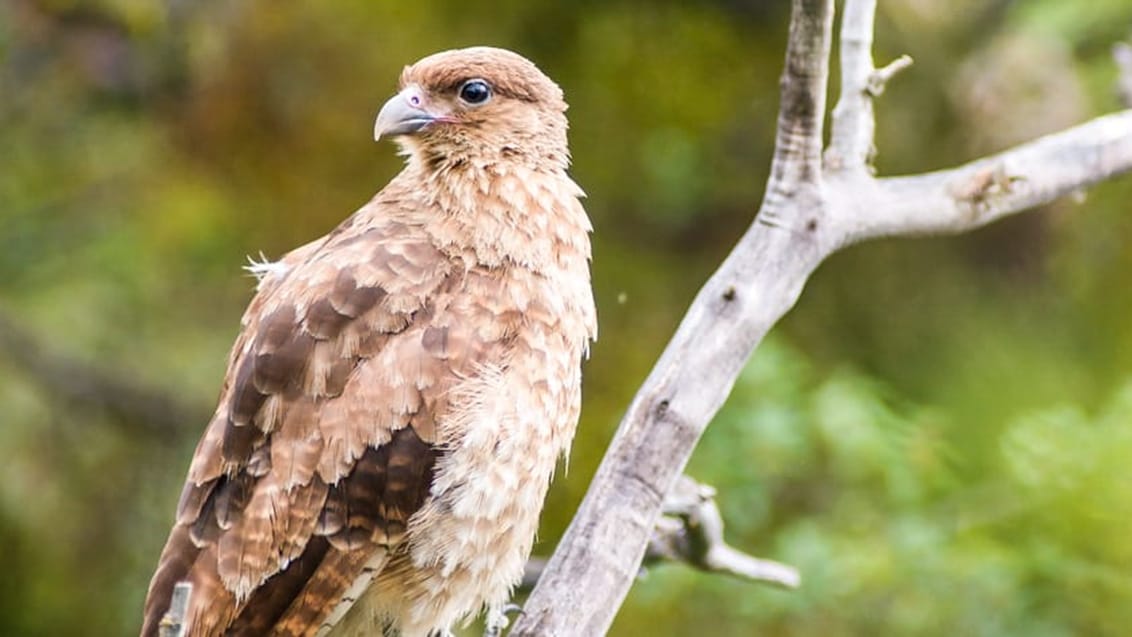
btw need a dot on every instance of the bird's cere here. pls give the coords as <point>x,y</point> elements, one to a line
<point>402,114</point>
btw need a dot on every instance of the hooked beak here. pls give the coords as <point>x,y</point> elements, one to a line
<point>402,115</point>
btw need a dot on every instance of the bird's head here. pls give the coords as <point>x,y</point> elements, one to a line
<point>478,104</point>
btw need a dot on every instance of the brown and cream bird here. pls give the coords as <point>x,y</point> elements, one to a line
<point>403,387</point>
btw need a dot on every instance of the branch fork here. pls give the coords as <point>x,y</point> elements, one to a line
<point>690,531</point>
<point>879,78</point>
<point>813,206</point>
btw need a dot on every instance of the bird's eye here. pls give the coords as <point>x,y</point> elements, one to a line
<point>475,92</point>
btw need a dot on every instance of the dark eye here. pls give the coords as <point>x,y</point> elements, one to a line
<point>475,92</point>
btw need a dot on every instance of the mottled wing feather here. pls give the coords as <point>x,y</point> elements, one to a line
<point>274,599</point>
<point>331,582</point>
<point>322,442</point>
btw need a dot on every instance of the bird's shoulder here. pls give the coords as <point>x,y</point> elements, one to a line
<point>320,312</point>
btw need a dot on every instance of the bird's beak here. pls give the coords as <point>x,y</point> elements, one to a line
<point>402,115</point>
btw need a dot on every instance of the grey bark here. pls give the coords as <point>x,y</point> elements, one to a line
<point>811,208</point>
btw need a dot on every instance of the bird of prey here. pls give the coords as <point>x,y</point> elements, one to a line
<point>402,388</point>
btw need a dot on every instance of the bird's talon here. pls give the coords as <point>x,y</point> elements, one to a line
<point>511,608</point>
<point>496,621</point>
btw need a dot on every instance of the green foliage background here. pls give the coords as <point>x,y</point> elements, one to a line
<point>938,436</point>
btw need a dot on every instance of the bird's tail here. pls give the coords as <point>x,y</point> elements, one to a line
<point>328,587</point>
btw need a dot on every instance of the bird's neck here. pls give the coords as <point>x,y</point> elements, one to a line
<point>504,213</point>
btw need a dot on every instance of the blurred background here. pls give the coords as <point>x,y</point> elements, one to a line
<point>939,435</point>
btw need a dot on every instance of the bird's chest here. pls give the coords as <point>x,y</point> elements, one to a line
<point>509,418</point>
<point>515,340</point>
<point>512,408</point>
<point>510,412</point>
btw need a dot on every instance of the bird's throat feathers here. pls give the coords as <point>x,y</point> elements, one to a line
<point>504,212</point>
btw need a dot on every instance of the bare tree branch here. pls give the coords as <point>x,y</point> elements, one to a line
<point>879,78</point>
<point>691,532</point>
<point>972,195</point>
<point>802,106</point>
<point>807,213</point>
<point>851,137</point>
<point>173,623</point>
<point>851,145</point>
<point>1122,54</point>
<point>590,573</point>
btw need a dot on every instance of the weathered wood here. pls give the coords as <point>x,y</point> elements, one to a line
<point>174,621</point>
<point>808,212</point>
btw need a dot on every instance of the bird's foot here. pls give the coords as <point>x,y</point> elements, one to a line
<point>496,621</point>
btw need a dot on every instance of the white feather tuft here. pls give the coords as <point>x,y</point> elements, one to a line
<point>265,268</point>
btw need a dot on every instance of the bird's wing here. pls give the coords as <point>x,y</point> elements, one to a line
<point>323,443</point>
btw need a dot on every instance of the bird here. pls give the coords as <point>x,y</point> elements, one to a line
<point>401,389</point>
